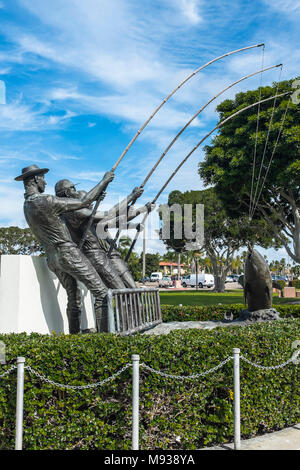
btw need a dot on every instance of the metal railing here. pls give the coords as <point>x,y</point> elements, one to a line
<point>133,310</point>
<point>136,365</point>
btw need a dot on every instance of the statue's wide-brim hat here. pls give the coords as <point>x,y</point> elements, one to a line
<point>31,170</point>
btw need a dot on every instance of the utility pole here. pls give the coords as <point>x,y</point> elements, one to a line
<point>197,271</point>
<point>144,253</point>
<point>178,267</point>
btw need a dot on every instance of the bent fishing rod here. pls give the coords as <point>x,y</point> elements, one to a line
<point>220,124</point>
<point>90,221</point>
<point>113,244</point>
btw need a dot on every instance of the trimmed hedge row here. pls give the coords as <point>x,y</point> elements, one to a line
<point>217,312</point>
<point>173,414</point>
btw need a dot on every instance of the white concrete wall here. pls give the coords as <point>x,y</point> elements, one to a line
<point>33,300</point>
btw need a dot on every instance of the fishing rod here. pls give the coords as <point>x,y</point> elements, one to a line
<point>90,221</point>
<point>113,244</point>
<point>220,124</point>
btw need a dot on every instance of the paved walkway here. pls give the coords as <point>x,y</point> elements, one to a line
<point>286,439</point>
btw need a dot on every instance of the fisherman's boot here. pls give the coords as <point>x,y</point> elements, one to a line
<point>74,316</point>
<point>101,313</point>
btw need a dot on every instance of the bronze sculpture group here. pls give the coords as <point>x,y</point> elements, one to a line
<point>59,221</point>
<point>65,224</point>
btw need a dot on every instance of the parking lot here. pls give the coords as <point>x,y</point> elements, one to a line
<point>228,286</point>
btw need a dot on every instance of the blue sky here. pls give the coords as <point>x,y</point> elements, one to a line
<point>81,77</point>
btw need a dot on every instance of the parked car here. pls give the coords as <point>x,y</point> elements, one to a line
<point>204,280</point>
<point>166,281</point>
<point>145,279</point>
<point>155,277</point>
<point>276,277</point>
<point>232,278</point>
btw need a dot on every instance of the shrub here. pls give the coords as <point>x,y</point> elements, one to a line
<point>216,312</point>
<point>296,283</point>
<point>282,284</point>
<point>173,414</point>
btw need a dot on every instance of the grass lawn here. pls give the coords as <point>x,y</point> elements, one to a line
<point>210,298</point>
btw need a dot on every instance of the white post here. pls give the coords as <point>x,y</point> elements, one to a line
<point>237,406</point>
<point>144,254</point>
<point>135,401</point>
<point>20,403</point>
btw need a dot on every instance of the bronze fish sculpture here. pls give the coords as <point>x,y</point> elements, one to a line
<point>257,282</point>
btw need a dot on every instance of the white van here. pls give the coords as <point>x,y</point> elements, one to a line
<point>155,277</point>
<point>204,280</point>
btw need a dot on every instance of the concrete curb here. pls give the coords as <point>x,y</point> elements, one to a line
<point>286,439</point>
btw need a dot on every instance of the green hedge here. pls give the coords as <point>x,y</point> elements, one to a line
<point>217,312</point>
<point>296,283</point>
<point>173,414</point>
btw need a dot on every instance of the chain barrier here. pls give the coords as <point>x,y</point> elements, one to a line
<point>279,366</point>
<point>12,368</point>
<point>135,389</point>
<point>187,377</point>
<point>150,369</point>
<point>78,387</point>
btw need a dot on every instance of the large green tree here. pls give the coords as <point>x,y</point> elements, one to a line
<point>262,183</point>
<point>18,241</point>
<point>223,237</point>
<point>152,263</point>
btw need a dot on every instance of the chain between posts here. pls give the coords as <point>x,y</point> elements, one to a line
<point>150,369</point>
<point>78,387</point>
<point>11,369</point>
<point>279,366</point>
<point>187,377</point>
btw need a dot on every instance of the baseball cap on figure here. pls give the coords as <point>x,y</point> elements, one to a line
<point>61,185</point>
<point>31,170</point>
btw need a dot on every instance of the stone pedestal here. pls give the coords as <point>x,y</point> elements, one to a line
<point>33,300</point>
<point>289,292</point>
<point>178,284</point>
<point>298,293</point>
<point>258,315</point>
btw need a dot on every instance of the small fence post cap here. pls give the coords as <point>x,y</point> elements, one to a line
<point>135,357</point>
<point>20,360</point>
<point>236,350</point>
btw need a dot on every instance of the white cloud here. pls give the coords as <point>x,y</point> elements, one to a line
<point>11,203</point>
<point>93,176</point>
<point>5,71</point>
<point>133,106</point>
<point>20,116</point>
<point>190,9</point>
<point>289,7</point>
<point>58,119</point>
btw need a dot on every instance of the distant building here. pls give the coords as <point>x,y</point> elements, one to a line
<point>170,268</point>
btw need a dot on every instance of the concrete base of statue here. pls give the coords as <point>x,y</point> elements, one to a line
<point>33,300</point>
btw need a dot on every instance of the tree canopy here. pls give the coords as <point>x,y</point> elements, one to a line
<point>18,241</point>
<point>223,236</point>
<point>272,182</point>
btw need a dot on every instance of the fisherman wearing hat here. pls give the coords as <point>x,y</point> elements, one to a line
<point>43,213</point>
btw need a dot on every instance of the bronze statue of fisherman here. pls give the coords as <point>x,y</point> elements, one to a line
<point>43,213</point>
<point>113,270</point>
